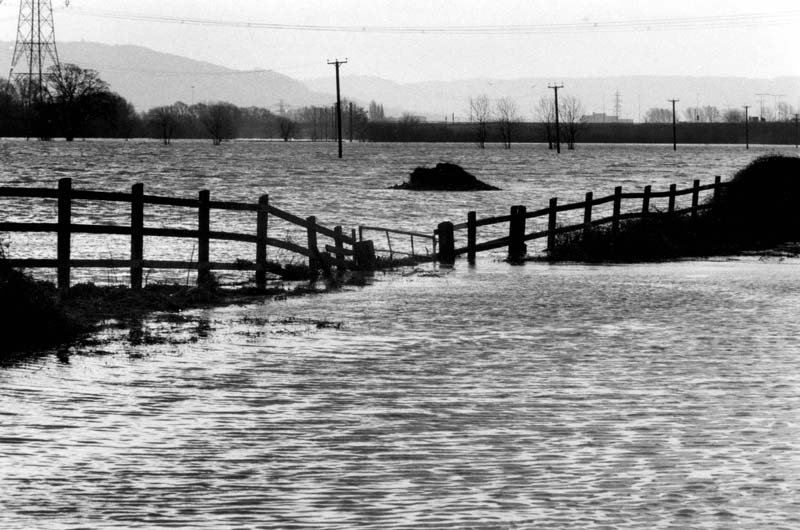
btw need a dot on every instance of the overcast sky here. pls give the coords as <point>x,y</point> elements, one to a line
<point>418,40</point>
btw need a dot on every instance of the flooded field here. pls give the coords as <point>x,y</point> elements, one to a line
<point>497,397</point>
<point>308,179</point>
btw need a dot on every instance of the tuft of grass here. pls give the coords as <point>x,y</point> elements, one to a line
<point>756,211</point>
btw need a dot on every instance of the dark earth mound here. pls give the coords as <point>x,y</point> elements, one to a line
<point>443,177</point>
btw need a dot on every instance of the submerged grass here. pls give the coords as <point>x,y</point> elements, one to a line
<point>757,210</point>
<point>36,316</point>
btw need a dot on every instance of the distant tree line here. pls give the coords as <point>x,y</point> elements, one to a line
<point>76,103</point>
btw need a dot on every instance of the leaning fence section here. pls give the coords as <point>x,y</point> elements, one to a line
<point>402,243</point>
<point>547,224</point>
<point>325,248</point>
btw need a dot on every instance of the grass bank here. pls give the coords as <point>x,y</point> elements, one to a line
<point>757,210</point>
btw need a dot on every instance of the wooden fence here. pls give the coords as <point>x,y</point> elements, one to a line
<point>516,238</point>
<point>338,255</point>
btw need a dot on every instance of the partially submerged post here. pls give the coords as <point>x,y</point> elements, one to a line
<point>551,223</point>
<point>137,235</point>
<point>695,199</point>
<point>447,248</point>
<point>471,236</point>
<point>364,255</point>
<point>261,241</point>
<point>64,231</point>
<point>311,229</point>
<point>672,192</point>
<point>646,201</point>
<point>617,208</point>
<point>516,234</point>
<point>203,230</point>
<point>339,244</point>
<point>587,216</point>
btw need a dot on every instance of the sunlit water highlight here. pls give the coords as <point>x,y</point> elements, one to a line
<point>566,396</point>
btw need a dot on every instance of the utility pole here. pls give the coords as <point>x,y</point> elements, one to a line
<point>558,134</point>
<point>795,131</point>
<point>338,63</point>
<point>746,128</point>
<point>674,130</point>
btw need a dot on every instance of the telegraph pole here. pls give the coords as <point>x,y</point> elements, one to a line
<point>338,63</point>
<point>795,130</point>
<point>674,130</point>
<point>746,128</point>
<point>558,133</point>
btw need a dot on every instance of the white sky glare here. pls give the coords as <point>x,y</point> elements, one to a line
<point>416,40</point>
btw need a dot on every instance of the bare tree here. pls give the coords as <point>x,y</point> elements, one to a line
<point>570,112</point>
<point>286,128</point>
<point>77,93</point>
<point>407,126</point>
<point>165,121</point>
<point>546,110</point>
<point>785,112</point>
<point>658,115</point>
<point>480,113</point>
<point>706,114</point>
<point>220,120</point>
<point>507,119</point>
<point>733,116</point>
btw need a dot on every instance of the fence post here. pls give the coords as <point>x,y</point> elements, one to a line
<point>364,256</point>
<point>717,181</point>
<point>587,216</point>
<point>516,234</point>
<point>337,241</point>
<point>313,264</point>
<point>262,227</point>
<point>472,235</point>
<point>672,188</point>
<point>203,229</point>
<point>646,201</point>
<point>695,198</point>
<point>617,208</point>
<point>551,224</point>
<point>447,247</point>
<point>137,235</point>
<point>64,231</point>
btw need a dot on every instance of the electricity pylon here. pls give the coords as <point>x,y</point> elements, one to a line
<point>35,48</point>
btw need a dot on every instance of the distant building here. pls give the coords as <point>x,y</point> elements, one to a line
<point>602,117</point>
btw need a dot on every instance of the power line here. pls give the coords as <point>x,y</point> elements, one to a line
<point>655,24</point>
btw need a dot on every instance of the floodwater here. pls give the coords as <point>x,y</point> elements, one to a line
<point>494,396</point>
<point>308,179</point>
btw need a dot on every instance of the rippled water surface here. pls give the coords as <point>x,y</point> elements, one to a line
<point>308,179</point>
<point>565,396</point>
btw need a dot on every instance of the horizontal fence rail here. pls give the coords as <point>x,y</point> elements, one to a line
<point>517,236</point>
<point>336,255</point>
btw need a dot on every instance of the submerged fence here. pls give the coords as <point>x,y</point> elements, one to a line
<point>516,238</point>
<point>345,253</point>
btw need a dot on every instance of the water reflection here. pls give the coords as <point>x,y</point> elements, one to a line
<point>489,397</point>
